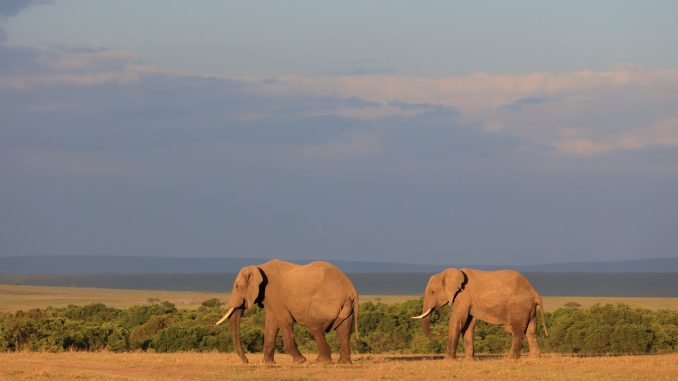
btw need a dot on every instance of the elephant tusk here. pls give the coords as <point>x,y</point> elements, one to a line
<point>228,315</point>
<point>423,315</point>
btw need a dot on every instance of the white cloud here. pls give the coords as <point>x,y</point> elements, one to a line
<point>664,133</point>
<point>76,67</point>
<point>94,60</point>
<point>473,94</point>
<point>582,113</point>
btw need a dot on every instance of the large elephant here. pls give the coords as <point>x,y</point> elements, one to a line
<point>501,297</point>
<point>317,295</point>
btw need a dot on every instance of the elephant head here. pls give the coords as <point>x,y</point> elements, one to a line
<point>247,291</point>
<point>442,288</point>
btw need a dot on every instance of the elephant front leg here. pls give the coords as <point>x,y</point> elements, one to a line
<point>270,335</point>
<point>290,344</point>
<point>453,339</point>
<point>468,337</point>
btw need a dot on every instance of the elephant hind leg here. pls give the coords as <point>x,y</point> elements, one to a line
<point>516,344</point>
<point>344,334</point>
<point>518,331</point>
<point>324,352</point>
<point>532,338</point>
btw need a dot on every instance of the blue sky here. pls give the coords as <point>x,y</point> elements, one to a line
<point>433,38</point>
<point>444,132</point>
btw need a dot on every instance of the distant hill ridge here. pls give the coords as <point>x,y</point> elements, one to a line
<point>81,264</point>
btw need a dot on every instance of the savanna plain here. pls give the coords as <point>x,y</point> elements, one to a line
<point>104,365</point>
<point>23,297</point>
<point>220,366</point>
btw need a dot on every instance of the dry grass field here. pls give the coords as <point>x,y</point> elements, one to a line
<point>220,366</point>
<point>215,366</point>
<point>14,298</point>
<point>554,302</point>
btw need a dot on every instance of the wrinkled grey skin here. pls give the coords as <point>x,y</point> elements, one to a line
<point>317,295</point>
<point>504,298</point>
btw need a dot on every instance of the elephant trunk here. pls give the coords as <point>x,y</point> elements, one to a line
<point>234,324</point>
<point>426,325</point>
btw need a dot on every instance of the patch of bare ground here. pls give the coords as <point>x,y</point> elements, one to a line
<point>220,366</point>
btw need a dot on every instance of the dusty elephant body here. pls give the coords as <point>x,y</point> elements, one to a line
<point>317,295</point>
<point>504,298</point>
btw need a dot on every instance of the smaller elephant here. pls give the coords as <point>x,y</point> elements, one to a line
<point>318,296</point>
<point>503,297</point>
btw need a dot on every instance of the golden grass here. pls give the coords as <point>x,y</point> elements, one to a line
<point>216,366</point>
<point>554,302</point>
<point>14,298</point>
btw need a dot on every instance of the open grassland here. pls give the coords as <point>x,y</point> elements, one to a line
<point>552,303</point>
<point>14,298</point>
<point>215,366</point>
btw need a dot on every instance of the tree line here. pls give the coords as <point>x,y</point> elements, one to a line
<point>161,327</point>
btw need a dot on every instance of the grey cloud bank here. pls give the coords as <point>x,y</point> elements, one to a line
<point>169,166</point>
<point>102,154</point>
<point>438,38</point>
<point>9,8</point>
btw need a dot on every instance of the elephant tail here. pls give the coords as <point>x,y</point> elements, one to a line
<point>356,307</point>
<point>540,304</point>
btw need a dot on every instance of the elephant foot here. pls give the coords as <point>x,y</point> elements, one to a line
<point>345,361</point>
<point>514,356</point>
<point>470,358</point>
<point>269,361</point>
<point>323,360</point>
<point>299,360</point>
<point>244,360</point>
<point>451,357</point>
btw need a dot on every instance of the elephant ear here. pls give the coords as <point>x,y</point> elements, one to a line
<point>454,281</point>
<point>254,280</point>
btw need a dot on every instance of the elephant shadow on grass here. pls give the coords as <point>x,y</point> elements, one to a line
<point>478,357</point>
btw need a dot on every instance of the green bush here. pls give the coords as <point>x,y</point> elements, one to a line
<point>141,336</point>
<point>612,329</point>
<point>490,338</point>
<point>138,315</point>
<point>176,338</point>
<point>383,328</point>
<point>211,303</point>
<point>91,312</point>
<point>118,340</point>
